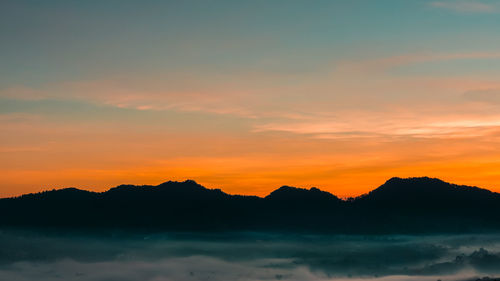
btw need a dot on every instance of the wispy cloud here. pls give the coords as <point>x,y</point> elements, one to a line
<point>388,125</point>
<point>337,105</point>
<point>467,6</point>
<point>484,95</point>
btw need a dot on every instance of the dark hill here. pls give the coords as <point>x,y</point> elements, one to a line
<point>430,203</point>
<point>414,205</point>
<point>294,194</point>
<point>424,188</point>
<point>427,194</point>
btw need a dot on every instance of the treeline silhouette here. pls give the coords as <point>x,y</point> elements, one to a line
<point>406,206</point>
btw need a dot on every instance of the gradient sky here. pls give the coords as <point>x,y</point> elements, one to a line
<point>247,96</point>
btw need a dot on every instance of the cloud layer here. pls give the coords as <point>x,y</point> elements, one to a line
<point>30,256</point>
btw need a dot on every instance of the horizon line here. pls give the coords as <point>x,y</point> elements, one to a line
<point>343,198</point>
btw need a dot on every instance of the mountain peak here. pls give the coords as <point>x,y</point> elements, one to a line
<point>187,182</point>
<point>183,186</point>
<point>295,193</point>
<point>416,184</point>
<point>424,191</point>
<point>413,180</point>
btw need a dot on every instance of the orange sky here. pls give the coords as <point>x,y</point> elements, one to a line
<point>241,164</point>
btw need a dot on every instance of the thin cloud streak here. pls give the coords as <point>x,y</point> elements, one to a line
<point>384,64</point>
<point>466,6</point>
<point>389,125</point>
<point>240,96</point>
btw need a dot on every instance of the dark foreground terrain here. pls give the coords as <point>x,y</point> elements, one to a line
<point>407,229</point>
<point>400,206</point>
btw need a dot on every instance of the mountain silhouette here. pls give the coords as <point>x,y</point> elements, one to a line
<point>407,206</point>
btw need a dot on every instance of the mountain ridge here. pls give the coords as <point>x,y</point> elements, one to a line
<point>411,205</point>
<point>281,188</point>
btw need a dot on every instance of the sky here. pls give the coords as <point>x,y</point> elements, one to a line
<point>248,96</point>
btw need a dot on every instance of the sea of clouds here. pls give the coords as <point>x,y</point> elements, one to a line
<point>34,255</point>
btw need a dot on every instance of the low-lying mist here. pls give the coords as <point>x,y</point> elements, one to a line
<point>30,255</point>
